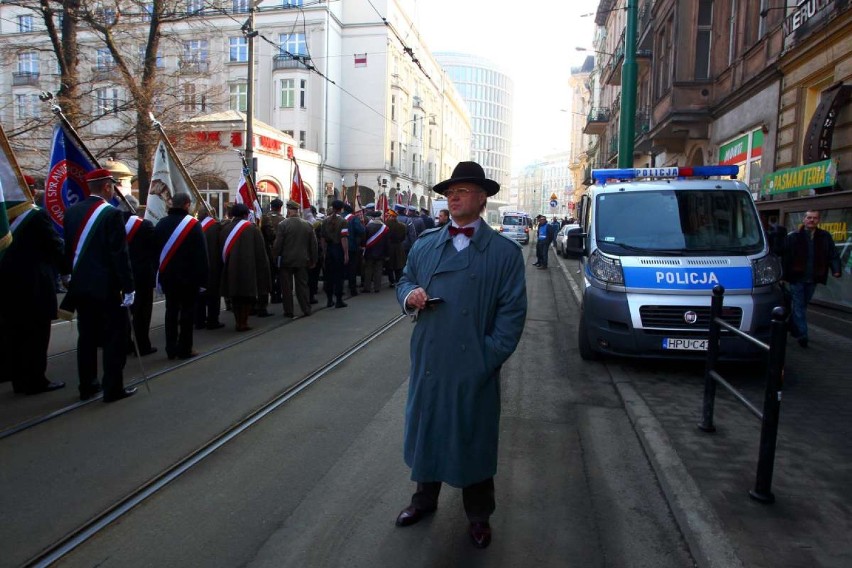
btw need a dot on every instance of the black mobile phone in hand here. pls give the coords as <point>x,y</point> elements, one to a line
<point>434,302</point>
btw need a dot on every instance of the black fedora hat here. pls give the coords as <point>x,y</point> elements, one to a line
<point>469,172</point>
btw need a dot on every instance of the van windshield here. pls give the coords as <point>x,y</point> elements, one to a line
<point>707,222</point>
<point>514,220</point>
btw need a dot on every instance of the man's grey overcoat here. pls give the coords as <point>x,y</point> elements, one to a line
<point>457,348</point>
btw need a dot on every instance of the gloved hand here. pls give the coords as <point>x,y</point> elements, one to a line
<point>128,300</point>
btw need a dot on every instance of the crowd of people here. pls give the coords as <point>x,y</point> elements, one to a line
<point>112,261</point>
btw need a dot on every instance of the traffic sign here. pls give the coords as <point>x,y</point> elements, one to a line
<point>553,203</point>
<point>553,197</point>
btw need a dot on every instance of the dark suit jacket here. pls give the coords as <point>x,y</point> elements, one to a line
<point>103,272</point>
<point>187,270</point>
<point>144,254</point>
<point>26,270</point>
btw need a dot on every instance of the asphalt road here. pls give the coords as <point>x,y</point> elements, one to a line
<point>320,481</point>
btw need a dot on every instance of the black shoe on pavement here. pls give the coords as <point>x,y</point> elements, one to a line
<point>329,304</point>
<point>125,393</point>
<point>47,387</point>
<point>90,392</point>
<point>411,515</point>
<point>149,351</point>
<point>314,301</point>
<point>341,304</point>
<point>215,325</point>
<point>803,341</point>
<point>264,314</point>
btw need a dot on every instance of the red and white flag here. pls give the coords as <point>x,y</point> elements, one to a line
<point>244,196</point>
<point>297,189</point>
<point>360,60</point>
<point>382,204</point>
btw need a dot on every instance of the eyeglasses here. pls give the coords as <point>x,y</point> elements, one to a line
<point>461,191</point>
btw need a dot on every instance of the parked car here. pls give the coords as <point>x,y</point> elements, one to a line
<point>516,226</point>
<point>562,237</point>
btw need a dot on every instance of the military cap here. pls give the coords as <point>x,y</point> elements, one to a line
<point>292,205</point>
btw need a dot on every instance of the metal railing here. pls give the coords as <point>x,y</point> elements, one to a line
<point>772,397</point>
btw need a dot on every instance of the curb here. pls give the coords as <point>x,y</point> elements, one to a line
<point>701,528</point>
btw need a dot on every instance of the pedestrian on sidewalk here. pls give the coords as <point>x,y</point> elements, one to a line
<point>809,253</point>
<point>182,273</point>
<point>457,348</point>
<point>544,236</point>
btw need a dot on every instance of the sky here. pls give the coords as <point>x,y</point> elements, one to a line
<point>534,43</point>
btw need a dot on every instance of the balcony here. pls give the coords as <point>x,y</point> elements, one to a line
<point>596,121</point>
<point>21,78</point>
<point>193,66</point>
<point>289,62</point>
<point>612,71</point>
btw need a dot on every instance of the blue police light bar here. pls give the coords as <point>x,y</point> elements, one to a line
<point>603,176</point>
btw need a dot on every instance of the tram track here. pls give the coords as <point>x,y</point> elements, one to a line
<point>112,513</point>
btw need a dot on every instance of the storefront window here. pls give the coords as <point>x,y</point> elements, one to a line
<point>838,223</point>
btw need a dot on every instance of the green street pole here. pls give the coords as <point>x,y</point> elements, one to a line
<point>627,126</point>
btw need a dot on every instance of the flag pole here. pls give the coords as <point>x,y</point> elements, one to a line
<point>46,96</point>
<point>190,182</point>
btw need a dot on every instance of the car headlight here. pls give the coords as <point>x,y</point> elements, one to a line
<point>606,269</point>
<point>766,270</point>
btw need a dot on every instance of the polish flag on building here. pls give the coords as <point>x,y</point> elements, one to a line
<point>360,60</point>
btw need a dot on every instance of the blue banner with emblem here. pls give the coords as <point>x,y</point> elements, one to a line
<point>691,278</point>
<point>66,180</point>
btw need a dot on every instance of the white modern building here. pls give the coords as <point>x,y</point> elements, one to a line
<point>488,93</point>
<point>341,86</point>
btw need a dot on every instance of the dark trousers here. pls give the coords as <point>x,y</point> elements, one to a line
<point>180,316</point>
<point>141,310</point>
<point>101,323</point>
<point>373,273</point>
<point>334,272</point>
<point>286,275</point>
<point>353,269</point>
<point>478,498</point>
<point>24,339</point>
<point>208,307</point>
<point>313,279</point>
<point>541,251</point>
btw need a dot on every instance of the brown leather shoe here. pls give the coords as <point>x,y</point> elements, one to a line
<point>480,533</point>
<point>411,515</point>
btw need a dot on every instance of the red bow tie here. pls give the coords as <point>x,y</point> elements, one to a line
<point>466,231</point>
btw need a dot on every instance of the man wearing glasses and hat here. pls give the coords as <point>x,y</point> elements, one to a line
<point>465,284</point>
<point>101,287</point>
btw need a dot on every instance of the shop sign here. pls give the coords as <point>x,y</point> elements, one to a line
<point>806,10</point>
<point>737,151</point>
<point>818,174</point>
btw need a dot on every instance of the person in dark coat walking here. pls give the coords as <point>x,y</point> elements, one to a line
<point>182,273</point>
<point>101,287</point>
<point>209,304</point>
<point>809,254</point>
<point>143,250</point>
<point>28,300</point>
<point>458,346</point>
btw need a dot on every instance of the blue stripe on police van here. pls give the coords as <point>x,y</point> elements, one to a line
<point>692,278</point>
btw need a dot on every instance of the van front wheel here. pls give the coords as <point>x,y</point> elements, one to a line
<point>587,353</point>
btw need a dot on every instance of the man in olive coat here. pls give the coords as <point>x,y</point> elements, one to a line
<point>245,272</point>
<point>295,252</point>
<point>457,348</point>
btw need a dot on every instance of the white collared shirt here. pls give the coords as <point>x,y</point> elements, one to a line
<point>460,241</point>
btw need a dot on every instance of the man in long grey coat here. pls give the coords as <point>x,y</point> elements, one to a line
<point>457,348</point>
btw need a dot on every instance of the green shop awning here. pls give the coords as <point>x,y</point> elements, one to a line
<point>809,176</point>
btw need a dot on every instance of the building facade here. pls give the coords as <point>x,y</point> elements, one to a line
<point>349,94</point>
<point>761,84</point>
<point>488,93</point>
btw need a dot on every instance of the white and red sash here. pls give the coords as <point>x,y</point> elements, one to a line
<point>235,233</point>
<point>131,227</point>
<point>349,216</point>
<point>19,220</point>
<point>377,236</point>
<point>176,239</point>
<point>84,237</point>
<point>206,223</point>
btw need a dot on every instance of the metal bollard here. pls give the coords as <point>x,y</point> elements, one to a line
<point>712,355</point>
<point>771,409</point>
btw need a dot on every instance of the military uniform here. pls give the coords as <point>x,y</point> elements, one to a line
<point>209,304</point>
<point>268,225</point>
<point>335,232</point>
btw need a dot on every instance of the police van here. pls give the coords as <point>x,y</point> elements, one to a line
<point>515,225</point>
<point>653,243</point>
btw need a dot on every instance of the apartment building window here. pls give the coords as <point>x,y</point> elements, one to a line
<point>27,106</point>
<point>392,153</point>
<point>106,101</point>
<point>288,133</point>
<point>241,6</point>
<point>732,32</point>
<point>703,39</point>
<point>292,44</point>
<point>414,165</point>
<point>104,60</point>
<point>303,89</point>
<point>194,6</point>
<point>195,51</point>
<point>28,62</point>
<point>303,136</point>
<point>238,49</point>
<point>25,24</point>
<point>761,26</point>
<point>393,108</point>
<point>142,49</point>
<point>288,93</point>
<point>192,101</point>
<point>147,11</point>
<point>238,97</point>
<point>291,3</point>
<point>664,61</point>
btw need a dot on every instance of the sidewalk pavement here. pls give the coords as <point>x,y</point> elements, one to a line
<point>706,477</point>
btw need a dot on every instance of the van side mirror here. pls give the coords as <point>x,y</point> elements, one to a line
<point>575,243</point>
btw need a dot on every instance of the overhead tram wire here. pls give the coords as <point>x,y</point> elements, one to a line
<point>405,48</point>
